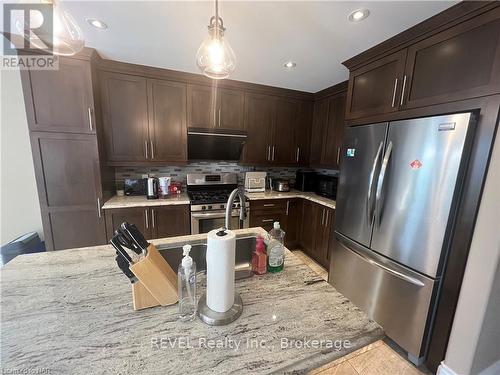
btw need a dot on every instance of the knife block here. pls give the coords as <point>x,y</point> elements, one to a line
<point>157,283</point>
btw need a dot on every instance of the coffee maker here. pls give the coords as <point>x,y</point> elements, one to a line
<point>153,188</point>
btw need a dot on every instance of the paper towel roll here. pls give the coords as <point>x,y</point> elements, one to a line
<point>221,251</point>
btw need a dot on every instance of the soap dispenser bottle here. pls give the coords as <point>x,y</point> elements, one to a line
<point>259,257</point>
<point>186,277</point>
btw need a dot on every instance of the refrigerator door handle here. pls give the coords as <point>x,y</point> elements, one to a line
<point>380,183</point>
<point>369,205</point>
<point>394,272</point>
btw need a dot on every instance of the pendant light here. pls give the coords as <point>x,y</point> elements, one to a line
<point>215,57</point>
<point>66,38</point>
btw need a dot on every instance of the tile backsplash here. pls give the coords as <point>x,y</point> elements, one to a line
<point>178,173</point>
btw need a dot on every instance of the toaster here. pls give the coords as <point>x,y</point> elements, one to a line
<point>255,182</point>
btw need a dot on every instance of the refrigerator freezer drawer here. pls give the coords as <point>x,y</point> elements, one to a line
<point>395,297</point>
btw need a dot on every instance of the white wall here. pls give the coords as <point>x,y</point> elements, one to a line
<point>19,206</point>
<point>475,337</point>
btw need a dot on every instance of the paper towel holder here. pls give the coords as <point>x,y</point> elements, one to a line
<point>214,318</point>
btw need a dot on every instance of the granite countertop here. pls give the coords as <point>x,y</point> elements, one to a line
<point>271,194</point>
<point>142,201</point>
<point>71,311</point>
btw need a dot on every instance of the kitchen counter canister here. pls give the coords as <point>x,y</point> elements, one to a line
<point>313,197</point>
<point>70,311</point>
<point>142,201</point>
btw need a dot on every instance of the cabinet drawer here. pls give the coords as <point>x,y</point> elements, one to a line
<point>266,220</point>
<point>269,205</point>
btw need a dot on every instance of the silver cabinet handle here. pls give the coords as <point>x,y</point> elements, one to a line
<point>269,205</point>
<point>287,207</point>
<point>268,153</point>
<point>369,205</point>
<point>394,93</point>
<point>338,156</point>
<point>326,219</point>
<point>403,91</point>
<point>322,216</point>
<point>146,148</point>
<point>91,122</point>
<point>298,154</point>
<point>219,117</point>
<point>152,149</point>
<point>273,154</point>
<point>146,216</point>
<point>99,213</point>
<point>153,214</point>
<point>267,220</point>
<point>380,182</point>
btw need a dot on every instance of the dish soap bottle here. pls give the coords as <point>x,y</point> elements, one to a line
<point>259,257</point>
<point>186,282</point>
<point>276,249</point>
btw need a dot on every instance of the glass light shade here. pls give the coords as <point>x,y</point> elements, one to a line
<point>66,39</point>
<point>215,57</point>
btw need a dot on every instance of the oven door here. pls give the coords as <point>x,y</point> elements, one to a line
<point>204,222</point>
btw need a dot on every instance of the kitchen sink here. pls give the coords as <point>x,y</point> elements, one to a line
<point>244,249</point>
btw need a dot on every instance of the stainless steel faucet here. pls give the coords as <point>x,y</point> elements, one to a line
<point>229,207</point>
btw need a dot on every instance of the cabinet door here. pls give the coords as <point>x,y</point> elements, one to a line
<point>69,188</point>
<point>230,109</point>
<point>266,219</point>
<point>201,106</point>
<point>332,144</point>
<point>170,221</point>
<point>459,63</point>
<point>302,134</point>
<point>287,116</point>
<point>259,121</point>
<point>167,121</point>
<point>320,118</point>
<point>136,215</point>
<point>308,227</point>
<point>375,87</point>
<point>293,222</point>
<point>125,117</point>
<point>325,218</point>
<point>60,100</point>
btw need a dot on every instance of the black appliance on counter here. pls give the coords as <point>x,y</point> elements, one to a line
<point>326,186</point>
<point>306,180</point>
<point>135,186</point>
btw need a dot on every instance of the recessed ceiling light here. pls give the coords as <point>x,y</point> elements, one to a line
<point>98,24</point>
<point>359,15</point>
<point>290,65</point>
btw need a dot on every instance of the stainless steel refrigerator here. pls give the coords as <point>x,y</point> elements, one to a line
<point>398,186</point>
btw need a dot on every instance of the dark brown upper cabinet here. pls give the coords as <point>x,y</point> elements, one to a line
<point>167,121</point>
<point>284,150</point>
<point>144,119</point>
<point>125,117</point>
<point>460,63</point>
<point>60,100</point>
<point>328,131</point>
<point>259,121</point>
<point>214,107</point>
<point>375,87</point>
<point>302,134</point>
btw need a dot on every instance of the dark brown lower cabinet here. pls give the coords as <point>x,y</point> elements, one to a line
<point>317,222</point>
<point>153,222</point>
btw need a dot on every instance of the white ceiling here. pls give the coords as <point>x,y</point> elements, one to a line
<point>316,35</point>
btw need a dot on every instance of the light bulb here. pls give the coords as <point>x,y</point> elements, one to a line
<point>215,57</point>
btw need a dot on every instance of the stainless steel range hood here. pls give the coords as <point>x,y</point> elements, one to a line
<point>215,144</point>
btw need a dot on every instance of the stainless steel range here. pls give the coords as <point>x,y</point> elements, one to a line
<point>208,195</point>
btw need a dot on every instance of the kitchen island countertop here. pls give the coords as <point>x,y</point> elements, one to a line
<point>70,311</point>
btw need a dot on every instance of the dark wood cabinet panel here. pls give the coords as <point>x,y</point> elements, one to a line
<point>320,119</point>
<point>293,222</point>
<point>266,220</point>
<point>169,221</point>
<point>201,104</point>
<point>71,228</point>
<point>287,116</point>
<point>302,134</point>
<point>308,227</point>
<point>259,122</point>
<point>125,117</point>
<point>60,100</point>
<point>460,63</point>
<point>167,121</point>
<point>325,219</point>
<point>334,132</point>
<point>375,87</point>
<point>136,215</point>
<point>230,106</point>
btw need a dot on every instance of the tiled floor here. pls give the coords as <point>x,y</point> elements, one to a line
<point>383,357</point>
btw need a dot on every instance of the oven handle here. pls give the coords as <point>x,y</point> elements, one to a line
<point>208,215</point>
